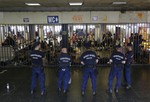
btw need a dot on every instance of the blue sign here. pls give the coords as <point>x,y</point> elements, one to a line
<point>52,19</point>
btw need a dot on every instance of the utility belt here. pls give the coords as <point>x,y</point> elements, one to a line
<point>128,63</point>
<point>37,65</point>
<point>89,66</point>
<point>118,65</point>
<point>64,67</point>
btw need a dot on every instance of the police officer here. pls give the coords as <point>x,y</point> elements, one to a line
<point>89,60</point>
<point>129,59</point>
<point>37,57</point>
<point>117,60</point>
<point>64,61</point>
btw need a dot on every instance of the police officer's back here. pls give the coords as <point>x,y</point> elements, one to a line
<point>129,59</point>
<point>37,67</point>
<point>64,61</point>
<point>89,60</point>
<point>117,60</point>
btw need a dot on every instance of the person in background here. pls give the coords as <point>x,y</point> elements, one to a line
<point>131,38</point>
<point>37,58</point>
<point>117,60</point>
<point>129,59</point>
<point>89,60</point>
<point>64,61</point>
<point>74,38</point>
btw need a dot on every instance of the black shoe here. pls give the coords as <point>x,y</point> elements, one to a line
<point>116,90</point>
<point>32,92</point>
<point>94,93</point>
<point>65,91</point>
<point>109,91</point>
<point>82,93</point>
<point>43,93</point>
<point>128,87</point>
<point>59,89</point>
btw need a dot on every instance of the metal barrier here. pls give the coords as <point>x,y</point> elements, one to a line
<point>16,41</point>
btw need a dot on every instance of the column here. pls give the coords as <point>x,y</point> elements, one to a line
<point>97,32</point>
<point>65,35</point>
<point>41,34</point>
<point>31,32</point>
<point>102,30</point>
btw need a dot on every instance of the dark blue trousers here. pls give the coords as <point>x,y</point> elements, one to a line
<point>63,76</point>
<point>37,72</point>
<point>88,72</point>
<point>127,74</point>
<point>115,72</point>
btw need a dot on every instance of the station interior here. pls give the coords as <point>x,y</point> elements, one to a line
<point>102,24</point>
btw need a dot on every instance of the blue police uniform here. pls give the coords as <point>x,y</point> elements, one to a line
<point>89,59</point>
<point>37,69</point>
<point>116,69</point>
<point>129,59</point>
<point>64,60</point>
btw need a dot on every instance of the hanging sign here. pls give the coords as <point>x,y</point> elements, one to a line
<point>25,19</point>
<point>52,19</point>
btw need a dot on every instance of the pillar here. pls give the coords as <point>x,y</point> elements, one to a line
<point>97,32</point>
<point>41,33</point>
<point>65,35</point>
<point>31,32</point>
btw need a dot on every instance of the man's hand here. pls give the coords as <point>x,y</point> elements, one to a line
<point>123,62</point>
<point>82,63</point>
<point>110,61</point>
<point>96,60</point>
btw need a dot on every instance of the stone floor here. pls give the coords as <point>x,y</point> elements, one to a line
<point>19,80</point>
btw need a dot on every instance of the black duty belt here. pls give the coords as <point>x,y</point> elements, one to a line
<point>118,65</point>
<point>36,65</point>
<point>90,66</point>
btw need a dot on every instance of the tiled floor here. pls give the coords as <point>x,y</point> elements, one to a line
<point>19,80</point>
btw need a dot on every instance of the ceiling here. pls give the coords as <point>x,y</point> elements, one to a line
<point>62,5</point>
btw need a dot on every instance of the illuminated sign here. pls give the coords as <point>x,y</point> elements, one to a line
<point>52,19</point>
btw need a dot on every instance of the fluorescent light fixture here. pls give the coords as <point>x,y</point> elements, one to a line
<point>75,3</point>
<point>119,3</point>
<point>32,4</point>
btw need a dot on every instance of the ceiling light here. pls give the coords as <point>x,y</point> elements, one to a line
<point>32,4</point>
<point>119,3</point>
<point>75,3</point>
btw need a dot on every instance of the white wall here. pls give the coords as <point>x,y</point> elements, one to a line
<point>105,17</point>
<point>76,17</point>
<point>133,17</point>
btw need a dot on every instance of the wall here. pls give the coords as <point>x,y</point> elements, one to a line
<point>76,17</point>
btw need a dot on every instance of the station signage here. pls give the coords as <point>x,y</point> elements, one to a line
<point>52,19</point>
<point>94,18</point>
<point>25,19</point>
<point>77,18</point>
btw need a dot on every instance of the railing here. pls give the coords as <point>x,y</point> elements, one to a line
<point>20,44</point>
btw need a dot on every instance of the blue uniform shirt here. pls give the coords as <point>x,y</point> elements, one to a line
<point>129,57</point>
<point>36,57</point>
<point>89,58</point>
<point>117,57</point>
<point>64,60</point>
